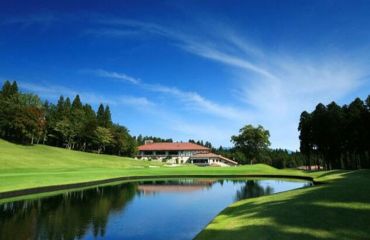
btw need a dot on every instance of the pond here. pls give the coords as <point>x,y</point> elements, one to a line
<point>158,209</point>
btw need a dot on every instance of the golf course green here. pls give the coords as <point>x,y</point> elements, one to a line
<point>339,208</point>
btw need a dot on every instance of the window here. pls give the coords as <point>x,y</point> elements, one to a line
<point>173,153</point>
<point>200,161</point>
<point>160,153</point>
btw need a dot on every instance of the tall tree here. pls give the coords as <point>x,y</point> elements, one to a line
<point>25,119</point>
<point>252,141</point>
<point>104,137</point>
<point>76,104</point>
<point>122,142</point>
<point>107,117</point>
<point>340,135</point>
<point>100,115</point>
<point>367,131</point>
<point>60,108</point>
<point>77,118</point>
<point>356,130</point>
<point>9,89</point>
<point>334,135</point>
<point>89,126</point>
<point>305,136</point>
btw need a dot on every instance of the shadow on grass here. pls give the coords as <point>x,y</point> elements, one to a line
<point>339,210</point>
<point>332,173</point>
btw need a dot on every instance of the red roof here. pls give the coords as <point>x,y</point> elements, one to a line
<point>172,147</point>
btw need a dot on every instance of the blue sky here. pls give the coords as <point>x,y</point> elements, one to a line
<point>191,69</point>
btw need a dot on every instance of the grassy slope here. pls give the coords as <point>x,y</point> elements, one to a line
<point>337,210</point>
<point>30,166</point>
<point>24,167</point>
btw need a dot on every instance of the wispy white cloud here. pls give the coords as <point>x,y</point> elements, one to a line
<point>195,45</point>
<point>228,59</point>
<point>200,103</point>
<point>46,90</point>
<point>112,32</point>
<point>53,92</point>
<point>114,75</point>
<point>192,100</point>
<point>204,131</point>
<point>167,123</point>
<point>276,86</point>
<point>43,19</point>
<point>176,126</point>
<point>141,26</point>
<point>134,101</point>
<point>300,85</point>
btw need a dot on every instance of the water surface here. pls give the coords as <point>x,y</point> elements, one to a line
<point>161,209</point>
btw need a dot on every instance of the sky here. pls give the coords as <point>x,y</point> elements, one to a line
<point>191,69</point>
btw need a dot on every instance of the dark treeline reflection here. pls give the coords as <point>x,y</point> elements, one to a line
<point>252,188</point>
<point>89,213</point>
<point>66,216</point>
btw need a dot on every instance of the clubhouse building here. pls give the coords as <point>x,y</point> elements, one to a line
<point>181,153</point>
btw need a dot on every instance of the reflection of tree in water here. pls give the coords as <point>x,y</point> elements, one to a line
<point>66,216</point>
<point>252,188</point>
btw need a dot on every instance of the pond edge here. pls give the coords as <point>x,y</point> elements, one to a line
<point>52,188</point>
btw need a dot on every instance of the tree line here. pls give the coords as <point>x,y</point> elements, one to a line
<point>331,136</point>
<point>202,143</point>
<point>25,119</point>
<point>141,139</point>
<point>337,137</point>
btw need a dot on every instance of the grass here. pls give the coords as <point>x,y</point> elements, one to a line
<point>339,209</point>
<point>23,167</point>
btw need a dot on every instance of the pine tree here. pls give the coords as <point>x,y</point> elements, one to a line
<point>60,107</point>
<point>107,117</point>
<point>67,107</point>
<point>14,88</point>
<point>100,115</point>
<point>9,89</point>
<point>76,104</point>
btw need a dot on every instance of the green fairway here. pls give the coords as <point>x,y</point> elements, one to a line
<point>339,209</point>
<point>23,167</point>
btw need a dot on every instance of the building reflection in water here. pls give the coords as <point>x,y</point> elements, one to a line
<point>185,185</point>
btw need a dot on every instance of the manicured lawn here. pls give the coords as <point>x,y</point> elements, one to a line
<point>339,209</point>
<point>24,167</point>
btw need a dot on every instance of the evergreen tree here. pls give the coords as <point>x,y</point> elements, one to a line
<point>337,136</point>
<point>25,119</point>
<point>90,124</point>
<point>100,116</point>
<point>14,88</point>
<point>76,104</point>
<point>107,117</point>
<point>67,107</point>
<point>9,90</point>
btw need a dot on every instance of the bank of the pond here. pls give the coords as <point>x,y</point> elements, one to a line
<point>337,210</point>
<point>52,188</point>
<point>125,210</point>
<point>40,168</point>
